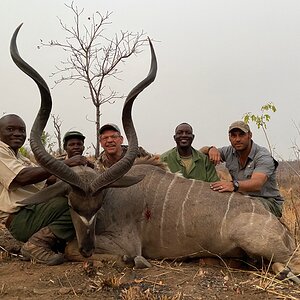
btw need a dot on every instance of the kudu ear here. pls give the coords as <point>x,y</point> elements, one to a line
<point>58,189</point>
<point>126,181</point>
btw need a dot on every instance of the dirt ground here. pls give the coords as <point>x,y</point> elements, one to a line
<point>109,280</point>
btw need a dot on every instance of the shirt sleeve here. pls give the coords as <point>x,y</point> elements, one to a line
<point>264,163</point>
<point>211,172</point>
<point>223,152</point>
<point>10,167</point>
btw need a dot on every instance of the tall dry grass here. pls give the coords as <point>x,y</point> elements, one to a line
<point>289,183</point>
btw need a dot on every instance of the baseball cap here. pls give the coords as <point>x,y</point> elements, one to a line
<point>109,126</point>
<point>239,125</point>
<point>73,134</point>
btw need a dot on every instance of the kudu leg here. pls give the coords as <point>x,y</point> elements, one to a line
<point>266,237</point>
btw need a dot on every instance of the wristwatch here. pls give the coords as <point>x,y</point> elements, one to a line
<point>235,185</point>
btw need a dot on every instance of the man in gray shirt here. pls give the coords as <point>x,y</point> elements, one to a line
<point>252,167</point>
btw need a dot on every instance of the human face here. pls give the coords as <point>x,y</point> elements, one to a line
<point>111,142</point>
<point>240,140</point>
<point>74,147</point>
<point>184,136</point>
<point>13,131</point>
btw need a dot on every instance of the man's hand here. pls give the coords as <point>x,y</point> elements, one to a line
<point>90,164</point>
<point>222,186</point>
<point>77,160</point>
<point>214,155</point>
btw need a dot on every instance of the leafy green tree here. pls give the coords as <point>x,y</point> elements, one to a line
<point>25,152</point>
<point>262,119</point>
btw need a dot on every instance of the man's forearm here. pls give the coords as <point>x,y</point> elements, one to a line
<point>204,150</point>
<point>31,175</point>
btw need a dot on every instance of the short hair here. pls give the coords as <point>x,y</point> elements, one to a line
<point>184,123</point>
<point>2,119</point>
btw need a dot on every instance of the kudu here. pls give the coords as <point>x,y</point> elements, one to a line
<point>84,187</point>
<point>165,215</point>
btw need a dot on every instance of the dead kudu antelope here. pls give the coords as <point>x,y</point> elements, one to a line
<point>85,188</point>
<point>166,216</point>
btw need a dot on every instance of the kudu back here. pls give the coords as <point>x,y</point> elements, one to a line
<point>84,187</point>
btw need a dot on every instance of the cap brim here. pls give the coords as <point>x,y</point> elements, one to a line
<point>242,129</point>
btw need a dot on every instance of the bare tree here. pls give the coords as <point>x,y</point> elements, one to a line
<point>57,131</point>
<point>93,57</point>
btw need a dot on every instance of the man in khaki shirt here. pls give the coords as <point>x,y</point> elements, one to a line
<point>42,227</point>
<point>11,165</point>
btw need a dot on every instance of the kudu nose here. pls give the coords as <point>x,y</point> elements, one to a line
<point>87,251</point>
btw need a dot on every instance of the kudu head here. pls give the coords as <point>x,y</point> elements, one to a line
<point>83,185</point>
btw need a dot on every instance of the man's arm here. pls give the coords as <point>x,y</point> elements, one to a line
<point>213,154</point>
<point>32,175</point>
<point>254,184</point>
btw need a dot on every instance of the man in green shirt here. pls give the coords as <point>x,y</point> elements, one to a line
<point>186,160</point>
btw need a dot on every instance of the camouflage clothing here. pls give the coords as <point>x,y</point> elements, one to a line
<point>104,163</point>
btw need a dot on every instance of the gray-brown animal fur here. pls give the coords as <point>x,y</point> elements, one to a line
<point>162,216</point>
<point>167,216</point>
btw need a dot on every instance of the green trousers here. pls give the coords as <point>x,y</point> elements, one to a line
<point>275,207</point>
<point>54,213</point>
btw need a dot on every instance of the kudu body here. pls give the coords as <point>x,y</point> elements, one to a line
<point>168,216</point>
<point>162,216</point>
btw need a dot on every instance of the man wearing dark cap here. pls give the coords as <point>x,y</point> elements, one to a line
<point>252,167</point>
<point>73,135</point>
<point>73,142</point>
<point>111,141</point>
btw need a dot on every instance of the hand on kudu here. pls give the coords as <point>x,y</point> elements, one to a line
<point>222,186</point>
<point>78,160</point>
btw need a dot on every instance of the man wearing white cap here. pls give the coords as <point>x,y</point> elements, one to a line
<point>252,167</point>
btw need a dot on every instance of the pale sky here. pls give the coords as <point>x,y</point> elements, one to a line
<point>217,60</point>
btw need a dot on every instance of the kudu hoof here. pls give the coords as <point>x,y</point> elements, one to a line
<point>282,272</point>
<point>141,263</point>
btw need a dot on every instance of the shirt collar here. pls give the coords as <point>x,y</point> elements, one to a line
<point>8,148</point>
<point>195,154</point>
<point>104,159</point>
<point>252,151</point>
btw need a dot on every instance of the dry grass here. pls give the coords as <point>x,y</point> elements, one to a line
<point>136,292</point>
<point>291,208</point>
